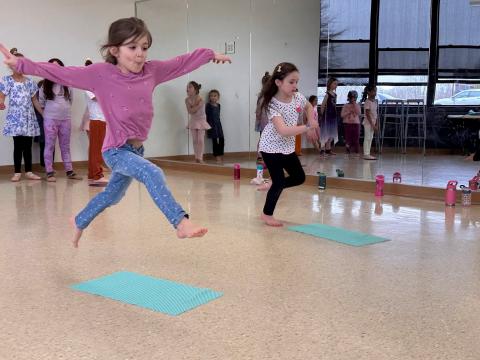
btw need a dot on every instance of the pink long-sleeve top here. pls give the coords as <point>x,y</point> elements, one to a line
<point>351,113</point>
<point>125,99</point>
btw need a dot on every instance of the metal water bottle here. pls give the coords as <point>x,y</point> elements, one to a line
<point>397,178</point>
<point>451,193</point>
<point>236,172</point>
<point>379,182</point>
<point>466,195</point>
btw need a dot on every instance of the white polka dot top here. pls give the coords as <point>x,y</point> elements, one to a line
<point>271,141</point>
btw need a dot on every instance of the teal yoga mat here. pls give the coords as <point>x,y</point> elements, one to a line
<point>340,235</point>
<point>145,291</point>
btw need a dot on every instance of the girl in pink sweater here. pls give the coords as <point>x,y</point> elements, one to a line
<point>124,85</point>
<point>351,122</point>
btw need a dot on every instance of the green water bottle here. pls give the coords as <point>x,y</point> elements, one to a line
<point>322,181</point>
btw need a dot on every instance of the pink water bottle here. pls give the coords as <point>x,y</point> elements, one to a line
<point>451,193</point>
<point>379,182</point>
<point>236,172</point>
<point>473,183</point>
<point>397,177</point>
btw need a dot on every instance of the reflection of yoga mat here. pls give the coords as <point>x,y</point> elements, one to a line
<point>338,234</point>
<point>156,294</point>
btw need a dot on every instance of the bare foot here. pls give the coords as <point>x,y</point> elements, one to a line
<point>77,233</point>
<point>469,158</point>
<point>187,229</point>
<point>270,220</point>
<point>264,187</point>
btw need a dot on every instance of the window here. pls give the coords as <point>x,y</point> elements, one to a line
<point>344,39</point>
<point>458,54</point>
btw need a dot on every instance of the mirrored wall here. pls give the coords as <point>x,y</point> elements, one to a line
<point>258,34</point>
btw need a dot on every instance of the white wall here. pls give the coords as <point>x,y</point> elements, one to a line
<point>266,32</point>
<point>68,29</point>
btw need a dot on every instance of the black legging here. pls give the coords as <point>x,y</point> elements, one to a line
<point>22,147</point>
<point>276,163</point>
<point>218,146</point>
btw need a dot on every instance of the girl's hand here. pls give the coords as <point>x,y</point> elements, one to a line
<point>312,135</point>
<point>10,60</point>
<point>221,59</point>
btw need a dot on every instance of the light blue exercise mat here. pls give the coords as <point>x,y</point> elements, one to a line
<point>156,294</point>
<point>340,235</point>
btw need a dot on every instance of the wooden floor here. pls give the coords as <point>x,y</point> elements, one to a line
<point>430,171</point>
<point>286,295</point>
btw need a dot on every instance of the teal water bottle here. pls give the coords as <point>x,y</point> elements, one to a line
<point>322,181</point>
<point>260,171</point>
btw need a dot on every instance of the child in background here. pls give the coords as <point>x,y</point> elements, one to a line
<point>125,95</point>
<point>212,110</point>
<point>198,119</point>
<point>370,125</point>
<point>328,119</point>
<point>277,143</point>
<point>351,122</point>
<point>298,137</point>
<point>96,135</point>
<point>313,100</point>
<point>56,101</point>
<point>21,122</point>
<point>261,118</point>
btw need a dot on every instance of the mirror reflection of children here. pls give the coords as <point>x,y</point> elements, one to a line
<point>56,101</point>
<point>212,110</point>
<point>21,122</point>
<point>370,125</point>
<point>198,119</point>
<point>328,119</point>
<point>96,134</point>
<point>261,118</point>
<point>313,99</point>
<point>350,114</point>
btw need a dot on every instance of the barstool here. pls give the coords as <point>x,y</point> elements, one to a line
<point>415,115</point>
<point>393,114</point>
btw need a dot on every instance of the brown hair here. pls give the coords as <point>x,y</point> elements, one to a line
<point>48,85</point>
<point>196,86</point>
<point>120,31</point>
<point>269,89</point>
<point>15,52</point>
<point>213,91</point>
<point>330,82</point>
<point>265,78</point>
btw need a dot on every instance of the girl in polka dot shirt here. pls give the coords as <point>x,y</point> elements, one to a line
<point>284,106</point>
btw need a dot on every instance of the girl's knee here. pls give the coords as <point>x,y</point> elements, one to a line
<point>300,178</point>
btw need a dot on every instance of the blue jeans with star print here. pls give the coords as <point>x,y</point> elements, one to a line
<point>127,163</point>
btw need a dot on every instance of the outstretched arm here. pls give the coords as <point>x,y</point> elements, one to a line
<point>165,70</point>
<point>81,77</point>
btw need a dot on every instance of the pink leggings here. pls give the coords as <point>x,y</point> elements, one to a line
<point>62,129</point>
<point>198,138</point>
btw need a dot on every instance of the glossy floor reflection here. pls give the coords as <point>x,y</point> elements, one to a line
<point>286,295</point>
<point>431,170</point>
